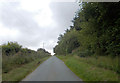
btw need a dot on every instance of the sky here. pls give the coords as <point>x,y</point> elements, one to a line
<point>34,22</point>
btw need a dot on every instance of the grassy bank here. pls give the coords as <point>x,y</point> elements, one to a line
<point>89,71</point>
<point>22,71</point>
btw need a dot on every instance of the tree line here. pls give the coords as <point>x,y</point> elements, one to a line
<point>95,31</point>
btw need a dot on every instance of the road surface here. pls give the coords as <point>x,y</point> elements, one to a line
<point>52,69</point>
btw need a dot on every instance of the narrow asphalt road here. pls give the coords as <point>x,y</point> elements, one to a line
<point>52,69</point>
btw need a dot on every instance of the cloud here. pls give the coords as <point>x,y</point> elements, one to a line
<point>63,13</point>
<point>33,22</point>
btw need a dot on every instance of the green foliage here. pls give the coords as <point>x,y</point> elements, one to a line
<point>43,52</point>
<point>11,48</point>
<point>14,55</point>
<point>95,31</point>
<point>19,73</point>
<point>67,43</point>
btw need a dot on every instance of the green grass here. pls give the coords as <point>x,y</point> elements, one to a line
<point>88,71</point>
<point>102,61</point>
<point>21,72</point>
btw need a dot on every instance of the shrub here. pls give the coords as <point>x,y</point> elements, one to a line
<point>14,55</point>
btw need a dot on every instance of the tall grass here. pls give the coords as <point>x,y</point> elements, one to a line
<point>88,71</point>
<point>14,57</point>
<point>18,73</point>
<point>10,62</point>
<point>106,62</point>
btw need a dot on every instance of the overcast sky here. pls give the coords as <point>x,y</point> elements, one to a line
<point>32,22</point>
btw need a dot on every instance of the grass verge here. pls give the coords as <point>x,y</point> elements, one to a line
<point>88,72</point>
<point>21,72</point>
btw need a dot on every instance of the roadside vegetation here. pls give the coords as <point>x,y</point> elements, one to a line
<point>18,62</point>
<point>93,42</point>
<point>88,71</point>
<point>19,73</point>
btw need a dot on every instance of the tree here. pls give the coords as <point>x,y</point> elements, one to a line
<point>95,30</point>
